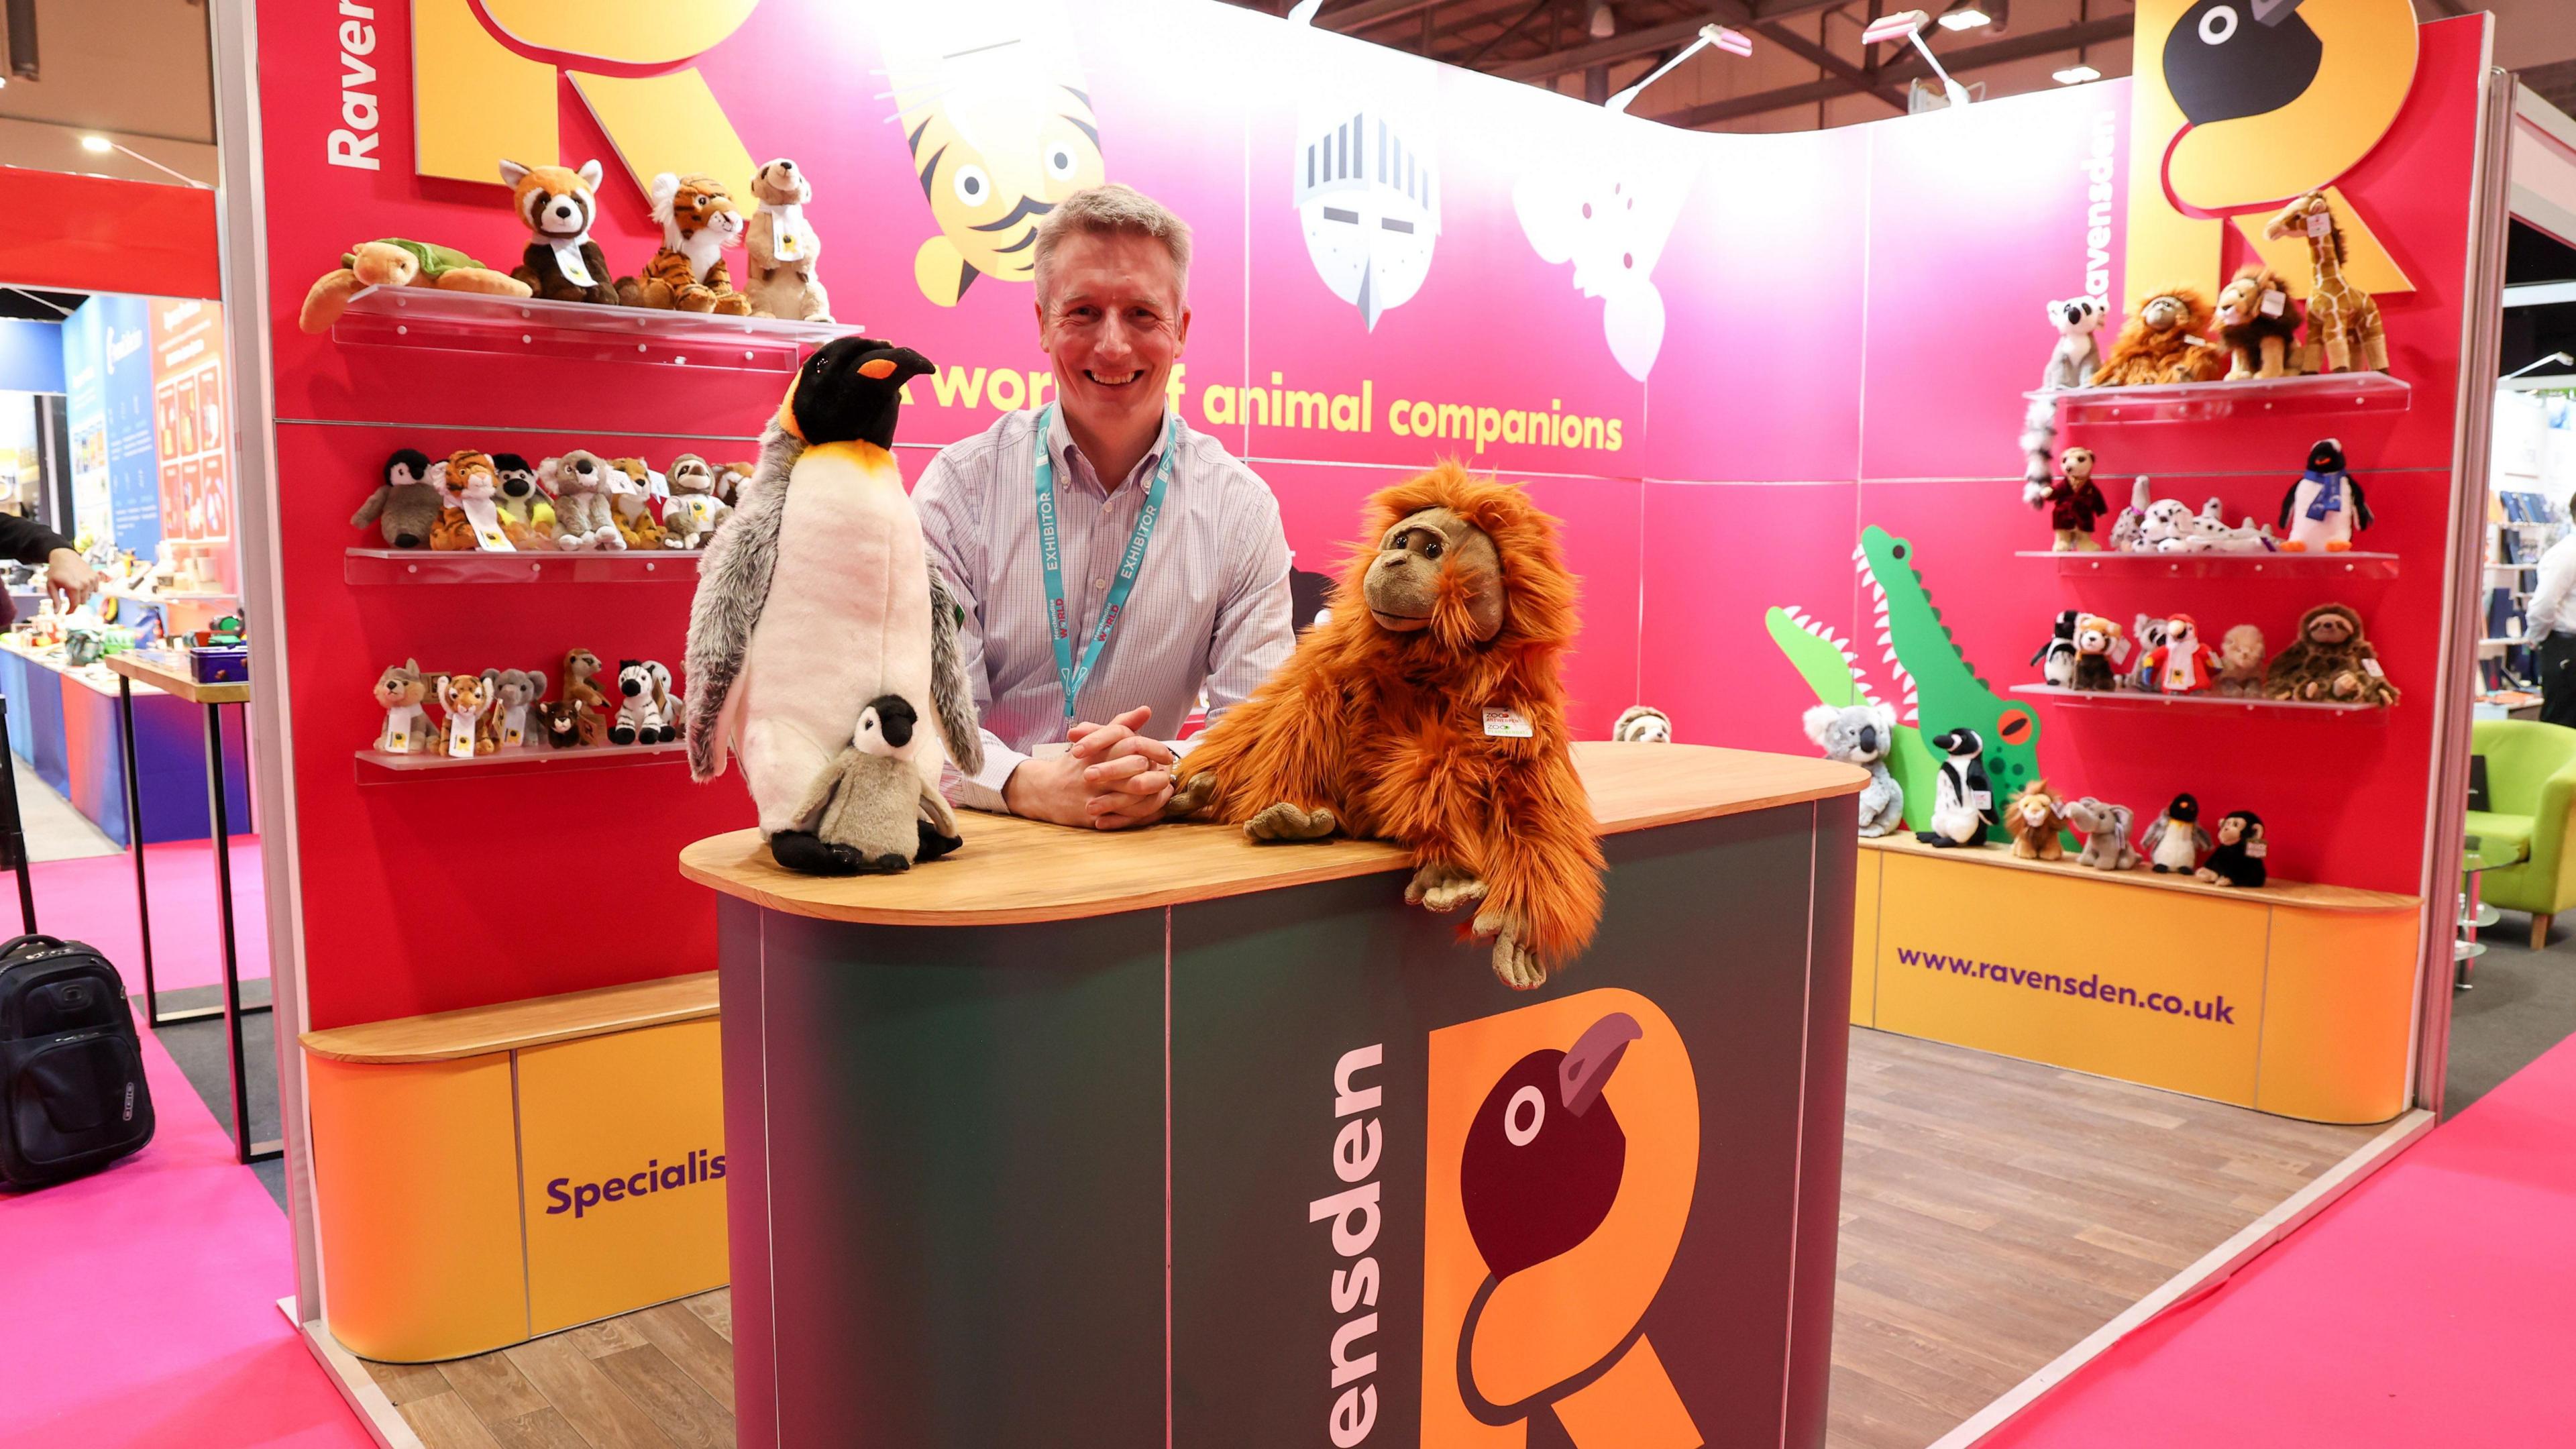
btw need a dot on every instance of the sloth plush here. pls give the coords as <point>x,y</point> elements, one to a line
<point>2164,343</point>
<point>1427,711</point>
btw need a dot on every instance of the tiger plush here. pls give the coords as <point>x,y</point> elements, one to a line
<point>699,220</point>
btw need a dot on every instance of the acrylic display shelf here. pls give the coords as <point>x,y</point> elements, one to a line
<point>2149,699</point>
<point>2353,565</point>
<point>460,566</point>
<point>2191,402</point>
<point>378,766</point>
<point>473,322</point>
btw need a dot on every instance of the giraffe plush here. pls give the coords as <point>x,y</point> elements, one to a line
<point>2343,322</point>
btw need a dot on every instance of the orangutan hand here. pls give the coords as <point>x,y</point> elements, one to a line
<point>1191,796</point>
<point>1514,964</point>
<point>1442,887</point>
<point>1284,821</point>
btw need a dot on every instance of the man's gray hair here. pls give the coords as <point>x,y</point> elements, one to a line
<point>1114,210</point>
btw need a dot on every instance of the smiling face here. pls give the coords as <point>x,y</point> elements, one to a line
<point>1416,556</point>
<point>1114,320</point>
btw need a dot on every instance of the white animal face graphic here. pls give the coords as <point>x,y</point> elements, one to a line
<point>1368,195</point>
<point>1609,214</point>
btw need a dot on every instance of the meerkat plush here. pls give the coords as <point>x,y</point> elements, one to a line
<point>2238,860</point>
<point>2163,343</point>
<point>462,697</point>
<point>780,277</point>
<point>1429,710</point>
<point>406,505</point>
<point>2260,325</point>
<point>2182,664</point>
<point>2324,508</point>
<point>2174,843</point>
<point>557,205</point>
<point>2105,829</point>
<point>690,515</point>
<point>2330,660</point>
<point>875,801</point>
<point>400,693</point>
<point>2035,822</point>
<point>1862,734</point>
<point>1642,724</point>
<point>584,518</point>
<point>2075,506</point>
<point>819,601</point>
<point>699,220</point>
<point>2240,662</point>
<point>1963,805</point>
<point>580,666</point>
<point>2095,639</point>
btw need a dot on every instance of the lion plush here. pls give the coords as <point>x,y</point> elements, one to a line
<point>2035,819</point>
<point>2164,343</point>
<point>1428,711</point>
<point>2259,322</point>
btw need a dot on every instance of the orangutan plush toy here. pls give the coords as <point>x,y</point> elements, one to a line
<point>2164,343</point>
<point>1427,711</point>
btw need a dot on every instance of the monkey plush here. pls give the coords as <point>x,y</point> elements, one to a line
<point>2329,660</point>
<point>1429,711</point>
<point>2260,325</point>
<point>2238,860</point>
<point>2164,343</point>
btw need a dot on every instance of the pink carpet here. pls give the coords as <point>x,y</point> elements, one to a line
<point>92,899</point>
<point>2434,1305</point>
<point>142,1303</point>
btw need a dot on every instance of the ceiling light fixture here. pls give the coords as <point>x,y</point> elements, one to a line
<point>1968,19</point>
<point>1602,24</point>
<point>97,145</point>
<point>2076,75</point>
<point>1303,12</point>
<point>1908,25</point>
<point>1733,42</point>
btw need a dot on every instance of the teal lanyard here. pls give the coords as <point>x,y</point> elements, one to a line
<point>1059,617</point>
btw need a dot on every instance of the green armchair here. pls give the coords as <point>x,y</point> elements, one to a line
<point>2531,781</point>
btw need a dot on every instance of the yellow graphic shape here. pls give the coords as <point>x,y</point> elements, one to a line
<point>668,123</point>
<point>2367,263</point>
<point>2260,162</point>
<point>992,102</point>
<point>626,32</point>
<point>473,101</point>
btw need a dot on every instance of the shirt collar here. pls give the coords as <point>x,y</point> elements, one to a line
<point>1060,446</point>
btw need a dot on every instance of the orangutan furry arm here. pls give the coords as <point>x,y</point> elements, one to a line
<point>1378,727</point>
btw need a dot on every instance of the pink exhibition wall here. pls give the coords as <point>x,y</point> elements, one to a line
<point>1764,343</point>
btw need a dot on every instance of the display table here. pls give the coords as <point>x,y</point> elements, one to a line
<point>1165,1137</point>
<point>63,723</point>
<point>2293,998</point>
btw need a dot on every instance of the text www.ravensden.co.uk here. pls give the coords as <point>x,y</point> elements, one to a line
<point>2089,988</point>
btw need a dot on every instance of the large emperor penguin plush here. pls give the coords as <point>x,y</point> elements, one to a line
<point>817,606</point>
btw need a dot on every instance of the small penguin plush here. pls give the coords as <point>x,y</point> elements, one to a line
<point>2174,843</point>
<point>1963,806</point>
<point>819,599</point>
<point>876,813</point>
<point>2056,658</point>
<point>406,504</point>
<point>2238,860</point>
<point>2324,508</point>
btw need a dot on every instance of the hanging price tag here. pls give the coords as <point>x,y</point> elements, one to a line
<point>2275,303</point>
<point>2321,224</point>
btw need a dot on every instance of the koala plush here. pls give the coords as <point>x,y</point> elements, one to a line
<point>1862,734</point>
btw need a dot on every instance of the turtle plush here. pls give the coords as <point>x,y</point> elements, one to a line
<point>396,262</point>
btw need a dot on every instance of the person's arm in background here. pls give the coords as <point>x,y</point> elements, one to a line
<point>2557,577</point>
<point>67,574</point>
<point>954,532</point>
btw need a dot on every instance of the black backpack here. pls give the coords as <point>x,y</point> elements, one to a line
<point>72,1094</point>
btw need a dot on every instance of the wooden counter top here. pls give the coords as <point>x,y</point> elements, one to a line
<point>475,1031</point>
<point>1021,870</point>
<point>169,674</point>
<point>2278,892</point>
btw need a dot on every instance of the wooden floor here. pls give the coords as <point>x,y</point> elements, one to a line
<point>1994,1213</point>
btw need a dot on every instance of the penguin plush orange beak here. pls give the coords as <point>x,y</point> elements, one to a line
<point>1545,1154</point>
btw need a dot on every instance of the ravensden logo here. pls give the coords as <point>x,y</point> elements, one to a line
<point>1562,1154</point>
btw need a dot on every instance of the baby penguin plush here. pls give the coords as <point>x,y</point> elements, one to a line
<point>2238,860</point>
<point>873,808</point>
<point>818,601</point>
<point>2174,843</point>
<point>1962,803</point>
<point>406,505</point>
<point>1862,735</point>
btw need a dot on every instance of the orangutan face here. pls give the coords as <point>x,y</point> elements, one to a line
<point>2164,314</point>
<point>1404,583</point>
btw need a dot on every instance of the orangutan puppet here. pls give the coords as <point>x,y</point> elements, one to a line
<point>2164,343</point>
<point>1427,712</point>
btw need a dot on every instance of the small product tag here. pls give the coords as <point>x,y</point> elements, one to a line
<point>514,725</point>
<point>2321,224</point>
<point>2375,671</point>
<point>2258,850</point>
<point>460,736</point>
<point>568,261</point>
<point>1982,799</point>
<point>2275,303</point>
<point>787,233</point>
<point>397,739</point>
<point>1506,722</point>
<point>2120,651</point>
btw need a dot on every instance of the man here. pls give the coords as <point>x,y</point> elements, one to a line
<point>2550,623</point>
<point>1172,571</point>
<point>67,575</point>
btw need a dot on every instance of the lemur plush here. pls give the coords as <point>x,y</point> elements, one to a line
<point>690,515</point>
<point>2260,325</point>
<point>2238,860</point>
<point>584,518</point>
<point>2071,363</point>
<point>527,514</point>
<point>462,696</point>
<point>406,505</point>
<point>512,692</point>
<point>874,800</point>
<point>2149,633</point>
<point>558,204</point>
<point>2163,343</point>
<point>630,496</point>
<point>472,516</point>
<point>688,274</point>
<point>2330,660</point>
<point>2075,505</point>
<point>2056,658</point>
<point>1963,805</point>
<point>2095,639</point>
<point>2174,843</point>
<point>2035,821</point>
<point>1862,734</point>
<point>1643,724</point>
<point>2182,664</point>
<point>2324,508</point>
<point>400,693</point>
<point>2105,829</point>
<point>780,276</point>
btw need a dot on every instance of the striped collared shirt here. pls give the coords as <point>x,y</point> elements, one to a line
<point>1209,609</point>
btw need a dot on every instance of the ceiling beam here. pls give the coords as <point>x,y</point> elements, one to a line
<point>1617,48</point>
<point>1959,62</point>
<point>1834,65</point>
<point>1347,18</point>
